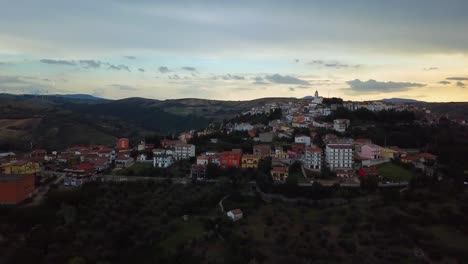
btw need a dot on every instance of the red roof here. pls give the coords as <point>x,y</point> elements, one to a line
<point>426,155</point>
<point>85,166</point>
<point>237,211</point>
<point>314,149</point>
<point>279,169</point>
<point>340,146</point>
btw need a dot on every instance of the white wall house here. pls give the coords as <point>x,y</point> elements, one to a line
<point>340,125</point>
<point>302,139</point>
<point>339,156</point>
<point>162,161</point>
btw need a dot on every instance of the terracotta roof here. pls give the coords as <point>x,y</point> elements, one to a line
<point>340,146</point>
<point>236,211</point>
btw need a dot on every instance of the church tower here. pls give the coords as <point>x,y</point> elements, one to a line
<point>316,93</point>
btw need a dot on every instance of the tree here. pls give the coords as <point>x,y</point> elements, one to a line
<point>369,183</point>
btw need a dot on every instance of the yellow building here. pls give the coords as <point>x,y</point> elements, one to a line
<point>279,174</point>
<point>387,153</point>
<point>20,167</point>
<point>250,161</point>
<point>280,154</point>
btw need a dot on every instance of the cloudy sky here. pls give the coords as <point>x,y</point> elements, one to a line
<point>220,49</point>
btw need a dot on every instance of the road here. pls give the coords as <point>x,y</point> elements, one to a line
<point>39,193</point>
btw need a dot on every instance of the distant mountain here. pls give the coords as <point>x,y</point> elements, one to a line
<point>79,96</point>
<point>400,100</point>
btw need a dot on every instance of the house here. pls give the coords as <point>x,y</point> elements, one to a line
<point>388,153</point>
<point>279,174</point>
<point>15,188</point>
<point>313,158</point>
<point>280,154</point>
<point>142,157</point>
<point>370,151</point>
<point>339,156</point>
<point>79,174</point>
<point>38,153</point>
<point>235,215</point>
<point>229,159</point>
<point>243,127</point>
<point>340,125</point>
<point>100,163</point>
<point>184,151</point>
<point>198,172</point>
<point>262,151</point>
<point>302,139</point>
<point>141,146</point>
<point>123,143</point>
<point>250,161</point>
<point>162,161</point>
<point>167,143</point>
<point>123,161</point>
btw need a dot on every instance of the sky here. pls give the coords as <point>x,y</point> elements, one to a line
<point>236,50</point>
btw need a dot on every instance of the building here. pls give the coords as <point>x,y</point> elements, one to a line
<point>123,143</point>
<point>162,161</point>
<point>243,127</point>
<point>229,159</point>
<point>203,159</point>
<point>262,151</point>
<point>79,174</point>
<point>250,161</point>
<point>302,139</point>
<point>20,167</point>
<point>340,125</point>
<point>388,153</point>
<point>123,161</point>
<point>198,172</point>
<point>339,156</point>
<point>184,151</point>
<point>185,137</point>
<point>15,188</point>
<point>141,146</point>
<point>368,172</point>
<point>279,174</point>
<point>299,148</point>
<point>235,215</point>
<point>313,158</point>
<point>370,151</point>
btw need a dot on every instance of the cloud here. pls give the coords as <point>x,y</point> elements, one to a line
<point>141,70</point>
<point>26,85</point>
<point>444,82</point>
<point>90,63</point>
<point>285,79</point>
<point>130,57</point>
<point>59,62</point>
<point>118,67</point>
<point>242,89</point>
<point>333,64</point>
<point>457,78</point>
<point>431,69</point>
<point>232,77</point>
<point>163,69</point>
<point>259,81</point>
<point>124,87</point>
<point>174,77</point>
<point>292,89</point>
<point>460,84</point>
<point>376,86</point>
<point>192,69</point>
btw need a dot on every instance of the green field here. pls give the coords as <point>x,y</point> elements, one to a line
<point>394,173</point>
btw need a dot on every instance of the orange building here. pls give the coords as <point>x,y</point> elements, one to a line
<point>123,143</point>
<point>15,188</point>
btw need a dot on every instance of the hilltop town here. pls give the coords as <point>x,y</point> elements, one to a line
<point>286,181</point>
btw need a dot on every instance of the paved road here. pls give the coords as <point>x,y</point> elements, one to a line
<point>39,193</point>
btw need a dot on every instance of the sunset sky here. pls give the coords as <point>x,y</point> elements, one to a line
<point>235,50</point>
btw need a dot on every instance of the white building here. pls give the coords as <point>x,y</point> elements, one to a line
<point>317,99</point>
<point>235,214</point>
<point>243,127</point>
<point>184,151</point>
<point>339,156</point>
<point>313,158</point>
<point>302,139</point>
<point>340,125</point>
<point>162,161</point>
